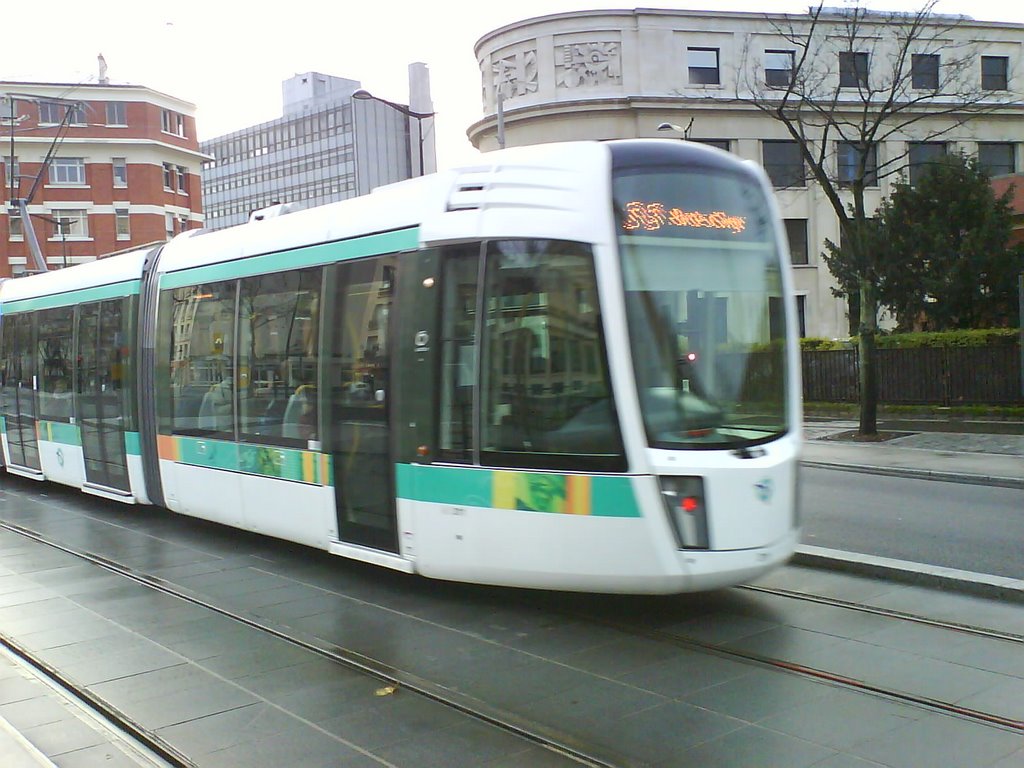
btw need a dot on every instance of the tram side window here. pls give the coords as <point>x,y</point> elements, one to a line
<point>54,362</point>
<point>9,368</point>
<point>542,404</point>
<point>104,361</point>
<point>278,334</point>
<point>202,350</point>
<point>458,342</point>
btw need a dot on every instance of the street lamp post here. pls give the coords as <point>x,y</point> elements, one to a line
<point>419,117</point>
<point>677,129</point>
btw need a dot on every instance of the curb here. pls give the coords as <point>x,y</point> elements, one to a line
<point>915,574</point>
<point>920,474</point>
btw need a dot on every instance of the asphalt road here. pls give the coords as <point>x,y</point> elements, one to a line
<point>969,527</point>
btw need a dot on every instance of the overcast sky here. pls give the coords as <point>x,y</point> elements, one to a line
<point>229,58</point>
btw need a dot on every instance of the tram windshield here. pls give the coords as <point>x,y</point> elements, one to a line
<point>704,299</point>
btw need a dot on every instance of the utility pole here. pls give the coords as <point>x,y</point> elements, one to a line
<point>22,203</point>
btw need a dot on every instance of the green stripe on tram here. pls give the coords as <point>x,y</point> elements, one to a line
<point>310,256</point>
<point>60,432</point>
<point>84,295</point>
<point>293,464</point>
<point>132,445</point>
<point>594,495</point>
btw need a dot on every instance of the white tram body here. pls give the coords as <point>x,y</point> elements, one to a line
<point>571,367</point>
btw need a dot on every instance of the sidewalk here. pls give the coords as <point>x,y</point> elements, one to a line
<point>964,457</point>
<point>968,457</point>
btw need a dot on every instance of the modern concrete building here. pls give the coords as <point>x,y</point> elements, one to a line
<point>622,74</point>
<point>108,167</point>
<point>333,141</point>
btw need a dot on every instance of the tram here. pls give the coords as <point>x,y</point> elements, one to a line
<point>572,366</point>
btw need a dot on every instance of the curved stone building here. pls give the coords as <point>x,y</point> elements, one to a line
<point>621,74</point>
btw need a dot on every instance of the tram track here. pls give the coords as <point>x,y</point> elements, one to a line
<point>390,678</point>
<point>647,619</point>
<point>823,675</point>
<point>993,634</point>
<point>145,747</point>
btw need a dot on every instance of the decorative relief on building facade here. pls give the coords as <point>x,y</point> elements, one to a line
<point>589,64</point>
<point>515,74</point>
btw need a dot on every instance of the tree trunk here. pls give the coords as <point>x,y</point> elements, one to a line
<point>868,364</point>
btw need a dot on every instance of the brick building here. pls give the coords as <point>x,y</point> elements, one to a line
<point>1016,182</point>
<point>123,170</point>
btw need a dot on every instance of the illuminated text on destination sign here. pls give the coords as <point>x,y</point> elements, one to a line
<point>654,216</point>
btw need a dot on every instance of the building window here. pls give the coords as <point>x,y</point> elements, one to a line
<point>122,224</point>
<point>169,225</point>
<point>848,157</point>
<point>51,112</point>
<point>801,314</point>
<point>998,158</point>
<point>14,223</point>
<point>76,114</point>
<point>994,73</point>
<point>182,174</point>
<point>722,144</point>
<point>168,176</point>
<point>120,166</point>
<point>784,163</point>
<point>172,122</point>
<point>924,71</point>
<point>12,171</point>
<point>116,113</point>
<point>703,66</point>
<point>923,155</point>
<point>778,68</point>
<point>796,233</point>
<point>69,223</point>
<point>853,69</point>
<point>67,170</point>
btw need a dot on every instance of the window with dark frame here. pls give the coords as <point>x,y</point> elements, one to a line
<point>853,69</point>
<point>847,160</point>
<point>995,73</point>
<point>702,64</point>
<point>921,156</point>
<point>722,144</point>
<point>998,158</point>
<point>796,233</point>
<point>784,163</point>
<point>924,71</point>
<point>778,68</point>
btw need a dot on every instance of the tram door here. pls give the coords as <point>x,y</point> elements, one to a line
<point>102,381</point>
<point>19,390</point>
<point>357,379</point>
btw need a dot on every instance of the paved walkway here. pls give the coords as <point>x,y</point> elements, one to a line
<point>966,457</point>
<point>963,456</point>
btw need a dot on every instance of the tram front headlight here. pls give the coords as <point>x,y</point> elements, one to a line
<point>687,509</point>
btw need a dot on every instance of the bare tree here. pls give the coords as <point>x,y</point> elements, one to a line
<point>845,82</point>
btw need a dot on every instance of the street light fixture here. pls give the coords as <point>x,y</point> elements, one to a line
<point>419,117</point>
<point>677,129</point>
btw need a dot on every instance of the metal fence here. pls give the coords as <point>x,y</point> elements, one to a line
<point>928,376</point>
